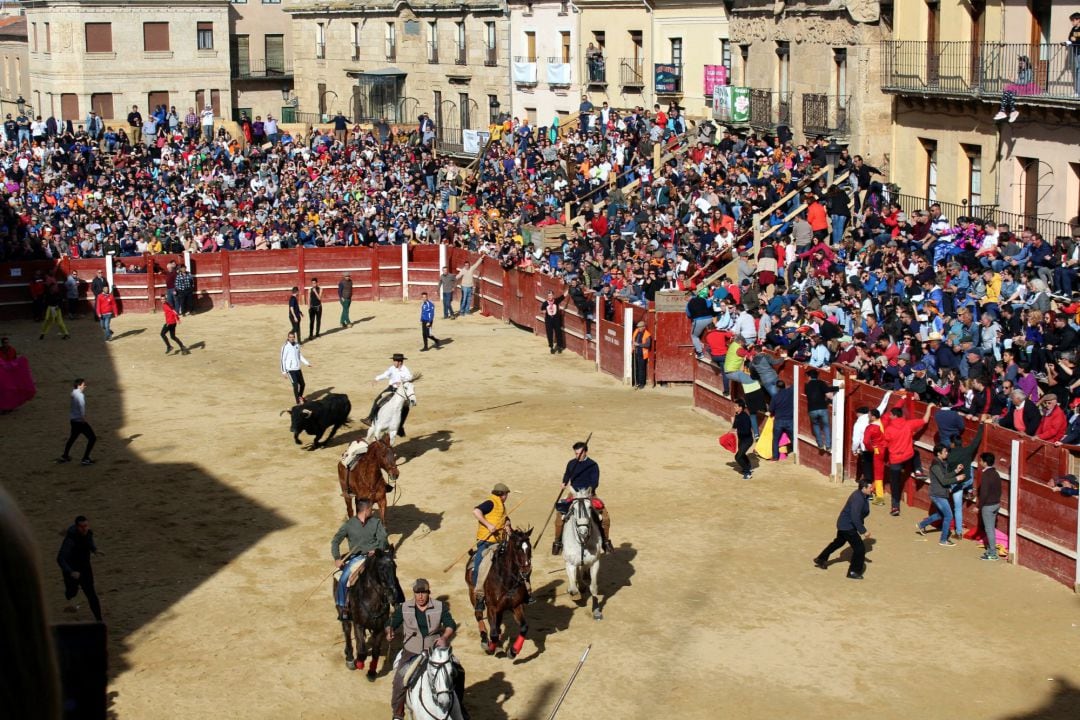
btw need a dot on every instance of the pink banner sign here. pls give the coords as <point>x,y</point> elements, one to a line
<point>714,75</point>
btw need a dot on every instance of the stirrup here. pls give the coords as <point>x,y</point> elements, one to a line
<point>608,547</point>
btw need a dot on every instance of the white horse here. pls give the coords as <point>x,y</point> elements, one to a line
<point>581,540</point>
<point>389,418</point>
<point>432,696</point>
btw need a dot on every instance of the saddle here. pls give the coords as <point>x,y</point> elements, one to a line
<point>413,670</point>
<point>563,506</point>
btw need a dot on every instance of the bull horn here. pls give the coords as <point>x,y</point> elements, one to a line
<point>306,412</point>
<point>283,412</point>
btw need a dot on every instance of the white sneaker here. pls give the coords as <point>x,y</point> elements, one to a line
<point>1013,115</point>
<point>1000,116</point>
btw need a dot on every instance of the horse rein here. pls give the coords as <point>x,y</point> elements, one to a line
<point>440,667</point>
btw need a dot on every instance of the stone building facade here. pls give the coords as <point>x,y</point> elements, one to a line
<point>260,50</point>
<point>547,61</point>
<point>111,56</point>
<point>946,70</point>
<point>14,64</point>
<point>814,69</point>
<point>394,60</point>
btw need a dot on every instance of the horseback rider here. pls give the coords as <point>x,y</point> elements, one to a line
<point>366,534</point>
<point>582,473</point>
<point>493,526</point>
<point>395,375</point>
<point>427,624</point>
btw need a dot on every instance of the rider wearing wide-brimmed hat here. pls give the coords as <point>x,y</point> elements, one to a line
<point>394,375</point>
<point>582,473</point>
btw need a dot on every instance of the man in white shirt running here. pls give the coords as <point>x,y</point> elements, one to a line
<point>394,376</point>
<point>291,358</point>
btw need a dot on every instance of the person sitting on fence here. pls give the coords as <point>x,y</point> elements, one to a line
<point>1025,85</point>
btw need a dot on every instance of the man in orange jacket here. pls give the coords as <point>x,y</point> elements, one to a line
<point>900,444</point>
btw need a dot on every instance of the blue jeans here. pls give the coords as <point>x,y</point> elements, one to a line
<point>481,548</point>
<point>943,513</point>
<point>345,572</point>
<point>770,387</point>
<point>838,223</point>
<point>699,325</point>
<point>447,304</point>
<point>106,320</point>
<point>819,422</point>
<point>466,301</point>
<point>738,376</point>
<point>958,499</point>
<point>780,428</point>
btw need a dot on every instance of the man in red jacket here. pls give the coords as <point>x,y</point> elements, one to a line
<point>900,444</point>
<point>169,328</point>
<point>1053,425</point>
<point>105,309</point>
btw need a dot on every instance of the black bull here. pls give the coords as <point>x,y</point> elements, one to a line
<point>315,416</point>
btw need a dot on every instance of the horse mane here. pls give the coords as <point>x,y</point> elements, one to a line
<point>417,378</point>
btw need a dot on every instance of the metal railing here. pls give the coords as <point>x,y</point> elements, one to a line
<point>257,69</point>
<point>769,108</point>
<point>824,114</point>
<point>432,52</point>
<point>1045,226</point>
<point>391,51</point>
<point>596,69</point>
<point>981,70</point>
<point>491,57</point>
<point>461,57</point>
<point>632,72</point>
<point>320,51</point>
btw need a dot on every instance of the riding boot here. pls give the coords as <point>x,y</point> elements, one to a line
<point>556,547</point>
<point>480,605</point>
<point>401,425</point>
<point>605,531</point>
<point>343,613</point>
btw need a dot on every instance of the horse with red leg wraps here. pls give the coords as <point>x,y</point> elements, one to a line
<point>505,588</point>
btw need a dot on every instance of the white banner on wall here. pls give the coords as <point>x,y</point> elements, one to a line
<point>473,141</point>
<point>558,73</point>
<point>524,72</point>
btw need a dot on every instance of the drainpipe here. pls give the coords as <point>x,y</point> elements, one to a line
<point>645,72</point>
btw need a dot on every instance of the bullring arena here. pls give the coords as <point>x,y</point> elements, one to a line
<point>216,527</point>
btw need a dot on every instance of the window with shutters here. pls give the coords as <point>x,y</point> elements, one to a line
<point>69,107</point>
<point>320,41</point>
<point>391,41</point>
<point>33,37</point>
<point>215,102</point>
<point>156,37</point>
<point>200,100</point>
<point>98,37</point>
<point>155,98</point>
<point>240,55</point>
<point>274,45</point>
<point>204,35</point>
<point>48,39</point>
<point>102,104</point>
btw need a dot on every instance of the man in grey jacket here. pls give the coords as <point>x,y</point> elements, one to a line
<point>447,283</point>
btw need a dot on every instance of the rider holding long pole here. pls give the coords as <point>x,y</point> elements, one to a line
<point>493,523</point>
<point>582,473</point>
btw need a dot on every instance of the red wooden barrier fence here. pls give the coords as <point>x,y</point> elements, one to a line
<point>1045,532</point>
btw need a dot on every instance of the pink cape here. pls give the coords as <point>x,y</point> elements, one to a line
<point>16,383</point>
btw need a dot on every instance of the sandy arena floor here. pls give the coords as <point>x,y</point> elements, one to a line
<point>216,531</point>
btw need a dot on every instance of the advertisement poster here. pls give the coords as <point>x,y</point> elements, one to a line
<point>714,75</point>
<point>667,78</point>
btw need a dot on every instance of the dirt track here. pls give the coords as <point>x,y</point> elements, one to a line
<point>216,529</point>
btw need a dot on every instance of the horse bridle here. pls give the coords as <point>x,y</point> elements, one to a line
<point>387,447</point>
<point>439,667</point>
<point>521,577</point>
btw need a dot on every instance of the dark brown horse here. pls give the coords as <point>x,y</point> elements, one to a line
<point>365,480</point>
<point>506,588</point>
<point>369,613</point>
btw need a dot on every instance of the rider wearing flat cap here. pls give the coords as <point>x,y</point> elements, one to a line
<point>582,473</point>
<point>493,524</point>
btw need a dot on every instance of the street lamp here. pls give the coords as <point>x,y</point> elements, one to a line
<point>832,152</point>
<point>285,92</point>
<point>20,102</point>
<point>493,108</point>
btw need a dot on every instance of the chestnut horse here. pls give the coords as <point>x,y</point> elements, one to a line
<point>506,588</point>
<point>369,613</point>
<point>365,479</point>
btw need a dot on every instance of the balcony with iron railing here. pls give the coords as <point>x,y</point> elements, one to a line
<point>491,56</point>
<point>524,71</point>
<point>461,55</point>
<point>981,71</point>
<point>769,108</point>
<point>320,51</point>
<point>632,73</point>
<point>391,51</point>
<point>259,69</point>
<point>432,52</point>
<point>596,70</point>
<point>824,114</point>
